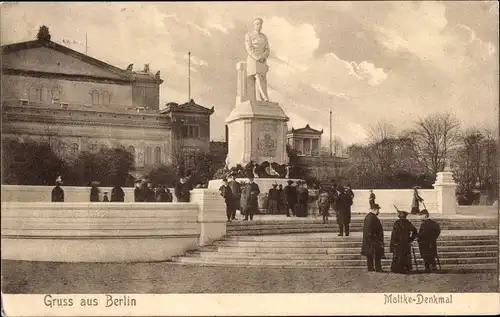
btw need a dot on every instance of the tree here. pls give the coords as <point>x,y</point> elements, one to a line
<point>382,130</point>
<point>165,174</point>
<point>43,34</point>
<point>108,166</point>
<point>434,137</point>
<point>475,164</point>
<point>30,163</point>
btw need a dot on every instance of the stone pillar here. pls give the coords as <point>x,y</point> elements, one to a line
<point>445,187</point>
<point>310,147</point>
<point>211,215</point>
<point>241,89</point>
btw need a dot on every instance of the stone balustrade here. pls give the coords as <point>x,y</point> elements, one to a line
<point>110,232</point>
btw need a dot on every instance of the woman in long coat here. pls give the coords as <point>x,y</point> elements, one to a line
<point>402,236</point>
<point>415,204</point>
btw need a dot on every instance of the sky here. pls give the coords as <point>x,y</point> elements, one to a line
<point>364,61</point>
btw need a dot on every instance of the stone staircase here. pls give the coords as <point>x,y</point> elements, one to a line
<point>469,243</point>
<point>275,225</point>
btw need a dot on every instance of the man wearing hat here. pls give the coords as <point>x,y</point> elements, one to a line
<point>94,192</point>
<point>225,192</point>
<point>236,193</point>
<point>149,193</point>
<point>252,203</point>
<point>402,236</point>
<point>427,240</point>
<point>373,240</point>
<point>138,191</point>
<point>291,198</point>
<point>302,199</point>
<point>273,199</point>
<point>183,190</point>
<point>57,191</point>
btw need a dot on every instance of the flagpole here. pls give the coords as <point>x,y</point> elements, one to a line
<point>86,44</point>
<point>189,76</point>
<point>331,150</point>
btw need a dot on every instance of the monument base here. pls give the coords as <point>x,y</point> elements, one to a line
<point>257,132</point>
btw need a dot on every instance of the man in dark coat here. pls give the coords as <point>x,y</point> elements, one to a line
<point>281,199</point>
<point>273,197</point>
<point>427,241</point>
<point>236,192</point>
<point>302,199</point>
<point>57,191</point>
<point>183,190</point>
<point>149,194</point>
<point>343,211</point>
<point>226,193</point>
<point>138,191</point>
<point>94,192</point>
<point>291,198</point>
<point>402,236</point>
<point>373,240</point>
<point>252,203</point>
<point>117,194</point>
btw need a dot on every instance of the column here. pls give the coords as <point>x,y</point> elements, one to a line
<point>302,149</point>
<point>310,146</point>
<point>445,187</point>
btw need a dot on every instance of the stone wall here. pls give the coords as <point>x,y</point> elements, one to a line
<point>110,232</point>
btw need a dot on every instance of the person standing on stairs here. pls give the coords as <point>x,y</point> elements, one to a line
<point>427,241</point>
<point>291,198</point>
<point>402,236</point>
<point>273,199</point>
<point>252,202</point>
<point>373,240</point>
<point>236,192</point>
<point>226,193</point>
<point>323,204</point>
<point>343,211</point>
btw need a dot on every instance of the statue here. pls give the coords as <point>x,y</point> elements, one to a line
<point>288,168</point>
<point>257,47</point>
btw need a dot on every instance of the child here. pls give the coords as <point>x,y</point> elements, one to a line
<point>323,203</point>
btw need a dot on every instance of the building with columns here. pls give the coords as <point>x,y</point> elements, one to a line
<point>51,93</point>
<point>305,141</point>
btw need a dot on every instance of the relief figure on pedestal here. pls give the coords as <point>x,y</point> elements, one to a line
<point>257,47</point>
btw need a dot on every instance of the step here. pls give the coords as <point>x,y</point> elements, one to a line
<point>307,230</point>
<point>354,226</point>
<point>339,256</point>
<point>480,240</point>
<point>357,236</point>
<point>339,250</point>
<point>329,263</point>
<point>478,267</point>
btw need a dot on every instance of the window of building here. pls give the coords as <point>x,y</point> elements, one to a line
<point>44,94</point>
<point>184,131</point>
<point>106,98</point>
<point>95,97</point>
<point>34,94</point>
<point>93,146</point>
<point>56,93</point>
<point>157,155</point>
<point>149,155</point>
<point>74,149</point>
<point>131,150</point>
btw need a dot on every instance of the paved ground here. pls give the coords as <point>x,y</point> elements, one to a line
<point>164,277</point>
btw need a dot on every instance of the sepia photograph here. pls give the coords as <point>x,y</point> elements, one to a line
<point>256,148</point>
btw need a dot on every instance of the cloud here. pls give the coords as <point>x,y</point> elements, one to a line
<point>362,60</point>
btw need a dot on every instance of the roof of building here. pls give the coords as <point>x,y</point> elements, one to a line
<point>189,107</point>
<point>307,129</point>
<point>125,74</point>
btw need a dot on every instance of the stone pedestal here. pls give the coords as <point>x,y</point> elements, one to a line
<point>445,187</point>
<point>256,129</point>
